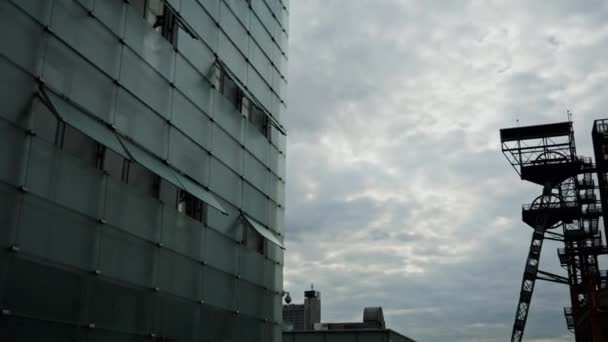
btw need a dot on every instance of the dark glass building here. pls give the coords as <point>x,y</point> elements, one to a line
<point>142,169</point>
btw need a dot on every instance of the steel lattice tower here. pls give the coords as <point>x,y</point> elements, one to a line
<point>546,155</point>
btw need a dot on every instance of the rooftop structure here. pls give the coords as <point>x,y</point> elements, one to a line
<point>372,328</point>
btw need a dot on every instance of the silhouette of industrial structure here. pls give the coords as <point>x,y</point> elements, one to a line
<point>568,210</point>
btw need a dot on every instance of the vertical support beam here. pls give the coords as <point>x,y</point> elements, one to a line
<point>527,284</point>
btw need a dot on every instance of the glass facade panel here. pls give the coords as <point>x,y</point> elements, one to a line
<point>138,122</point>
<point>277,308</point>
<point>280,219</point>
<point>112,14</point>
<point>126,257</point>
<point>188,157</point>
<point>50,170</point>
<point>225,182</point>
<point>142,180</point>
<point>148,43</point>
<point>145,82</point>
<point>275,253</point>
<point>20,329</point>
<point>10,205</point>
<point>261,36</point>
<point>232,57</point>
<point>229,117</point>
<point>133,212</point>
<point>216,325</point>
<point>269,270</point>
<point>259,88</point>
<point>181,233</point>
<point>281,168</point>
<point>255,203</point>
<point>273,161</point>
<point>179,319</point>
<point>233,27</point>
<point>52,232</point>
<point>70,74</point>
<point>13,153</point>
<point>22,37</point>
<point>227,150</point>
<point>220,251</point>
<point>278,278</point>
<point>219,288</point>
<point>190,120</point>
<point>41,10</point>
<point>86,35</point>
<point>122,308</point>
<point>249,266</point>
<point>250,329</point>
<point>78,185</point>
<point>200,15</point>
<point>256,173</point>
<point>195,52</point>
<point>40,291</point>
<point>179,275</point>
<point>240,9</point>
<point>226,224</point>
<point>79,145</point>
<point>193,85</point>
<point>40,167</point>
<point>273,188</point>
<point>260,61</point>
<point>15,92</point>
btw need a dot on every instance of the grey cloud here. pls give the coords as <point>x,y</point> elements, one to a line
<point>397,192</point>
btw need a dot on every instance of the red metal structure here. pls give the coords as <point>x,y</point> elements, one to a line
<point>567,211</point>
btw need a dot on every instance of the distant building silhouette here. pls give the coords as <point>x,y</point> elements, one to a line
<point>373,328</point>
<point>300,317</point>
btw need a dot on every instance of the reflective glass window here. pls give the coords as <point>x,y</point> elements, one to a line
<point>114,164</point>
<point>143,179</point>
<point>45,123</point>
<point>191,206</point>
<point>168,193</point>
<point>159,16</point>
<point>254,240</point>
<point>231,91</point>
<point>259,120</point>
<point>79,145</point>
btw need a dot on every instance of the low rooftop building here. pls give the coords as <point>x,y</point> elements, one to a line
<point>372,329</point>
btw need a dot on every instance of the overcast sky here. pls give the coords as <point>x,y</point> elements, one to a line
<point>397,192</point>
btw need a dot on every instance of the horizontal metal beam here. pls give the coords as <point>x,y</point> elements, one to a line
<point>554,236</point>
<point>542,275</point>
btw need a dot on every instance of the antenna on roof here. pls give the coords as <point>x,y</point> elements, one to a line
<point>311,287</point>
<point>569,115</point>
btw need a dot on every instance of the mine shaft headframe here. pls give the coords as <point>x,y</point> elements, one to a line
<point>542,154</point>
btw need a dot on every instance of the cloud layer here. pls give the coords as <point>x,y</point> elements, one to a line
<point>397,192</point>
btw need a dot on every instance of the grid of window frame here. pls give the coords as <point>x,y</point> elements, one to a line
<point>93,10</point>
<point>280,175</point>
